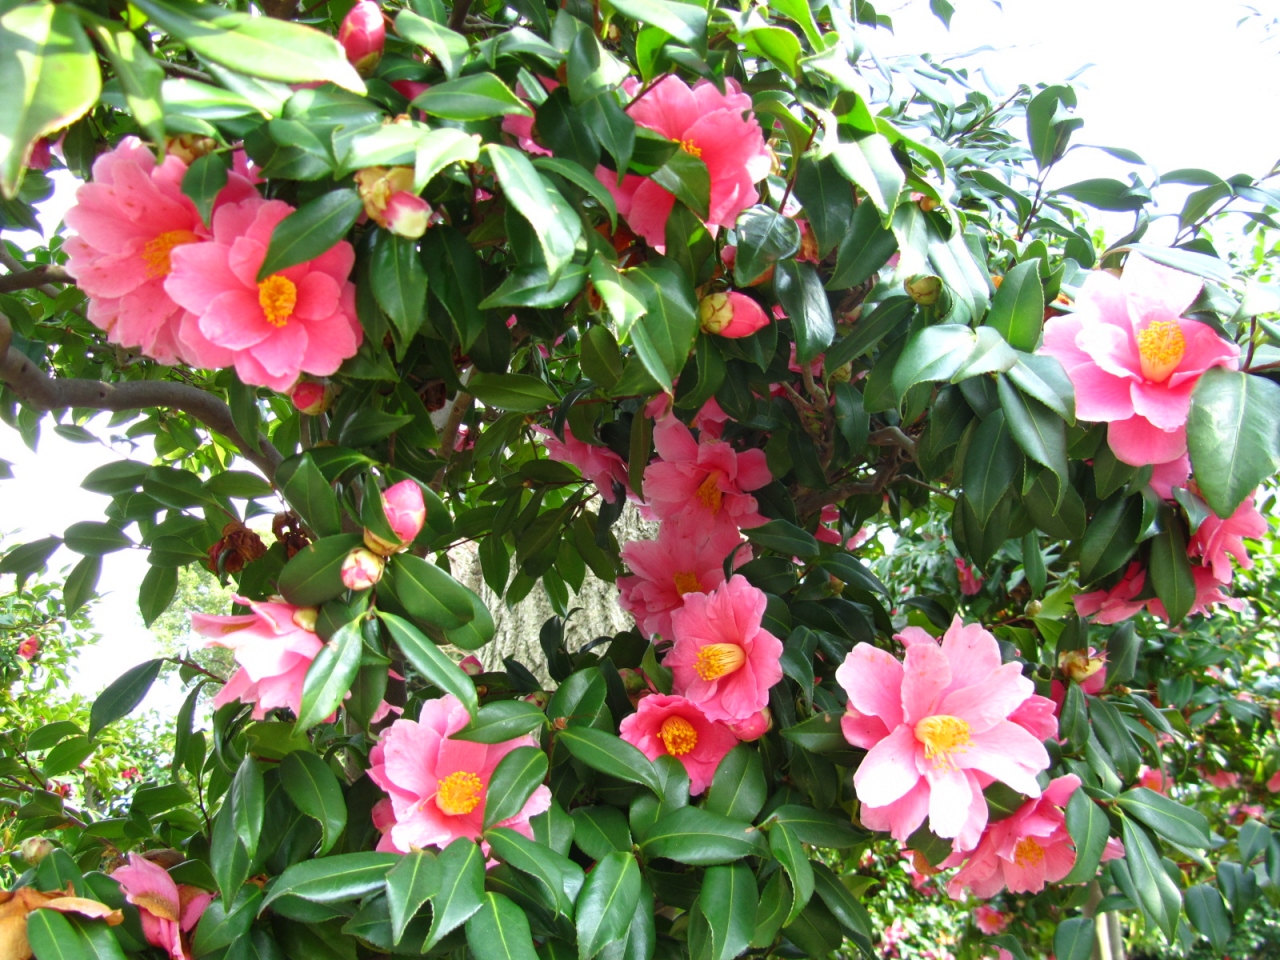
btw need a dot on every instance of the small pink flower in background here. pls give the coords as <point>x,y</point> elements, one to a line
<point>1086,667</point>
<point>990,920</point>
<point>970,582</point>
<point>130,773</point>
<point>274,646</point>
<point>311,397</point>
<point>128,221</point>
<point>1134,359</point>
<point>723,660</point>
<point>704,482</point>
<point>1153,779</point>
<point>361,569</point>
<point>405,511</point>
<point>672,725</point>
<point>1217,540</point>
<point>707,124</point>
<point>41,154</point>
<point>1273,784</point>
<point>363,34</point>
<point>1240,812</point>
<point>300,320</point>
<point>521,127</point>
<point>598,464</point>
<point>685,559</point>
<point>1002,954</point>
<point>752,728</point>
<point>29,648</point>
<point>1116,604</point>
<point>1222,779</point>
<point>169,911</point>
<point>933,724</point>
<point>438,785</point>
<point>828,525</point>
<point>731,315</point>
<point>859,538</point>
<point>1209,591</point>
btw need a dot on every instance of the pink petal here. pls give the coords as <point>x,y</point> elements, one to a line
<point>873,680</point>
<point>1137,442</point>
<point>1157,292</point>
<point>889,769</point>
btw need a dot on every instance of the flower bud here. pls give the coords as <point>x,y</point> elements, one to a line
<point>189,147</point>
<point>1080,665</point>
<point>362,35</point>
<point>754,727</point>
<point>305,618</point>
<point>406,512</point>
<point>841,374</point>
<point>312,397</point>
<point>471,666</point>
<point>377,185</point>
<point>361,569</point>
<point>410,89</point>
<point>924,290</point>
<point>633,681</point>
<point>731,314</point>
<point>29,648</point>
<point>539,698</point>
<point>407,215</point>
<point>35,849</point>
<point>41,155</point>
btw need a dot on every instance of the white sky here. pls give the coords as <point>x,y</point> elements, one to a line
<point>1175,80</point>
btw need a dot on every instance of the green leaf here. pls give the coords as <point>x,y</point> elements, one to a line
<point>849,913</point>
<point>663,335</point>
<point>825,194</point>
<point>309,493</point>
<point>1017,310</point>
<point>700,838</point>
<point>685,22</point>
<point>499,929</point>
<point>314,575</point>
<point>1074,939</point>
<point>800,292</point>
<point>610,755</point>
<point>818,827</point>
<point>461,890</point>
<point>255,46</point>
<point>427,592</point>
<point>247,804</point>
<point>1170,569</point>
<point>399,284</point>
<point>221,925</point>
<point>123,696</point>
<point>429,660</point>
<point>52,734</point>
<point>1049,127</point>
<point>554,221</point>
<point>783,537</point>
<point>728,901</point>
<point>477,97</point>
<point>1157,894</point>
<point>1232,436</point>
<point>67,755</point>
<point>1039,431</point>
<point>790,853</point>
<point>864,248</point>
<point>50,76</point>
<point>607,902</point>
<point>775,900</point>
<point>330,676</point>
<point>228,860</point>
<point>92,539</point>
<point>517,392</point>
<point>1110,538</point>
<point>82,584</point>
<point>309,231</point>
<point>1168,818</point>
<point>991,465</point>
<point>599,830</point>
<point>934,353</point>
<point>447,47</point>
<point>738,789</point>
<point>819,734</point>
<point>439,148</point>
<point>347,876</point>
<point>686,178</point>
<point>764,237</point>
<point>514,779</point>
<point>410,884</point>
<point>55,936</point>
<point>584,181</point>
<point>559,878</point>
<point>990,355</point>
<point>503,720</point>
<point>140,78</point>
<point>315,791</point>
<point>1208,914</point>
<point>869,164</point>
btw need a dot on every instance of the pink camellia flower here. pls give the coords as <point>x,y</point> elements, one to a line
<point>754,727</point>
<point>990,920</point>
<point>300,320</point>
<point>970,582</point>
<point>1273,784</point>
<point>1086,667</point>
<point>29,648</point>
<point>705,482</point>
<point>362,569</point>
<point>709,421</point>
<point>438,785</point>
<point>1217,540</point>
<point>723,660</point>
<point>678,727</point>
<point>717,128</point>
<point>274,646</point>
<point>686,558</point>
<point>405,511</point>
<point>1166,476</point>
<point>311,397</point>
<point>1134,359</point>
<point>407,215</point>
<point>598,464</point>
<point>1116,604</point>
<point>169,911</point>
<point>128,221</point>
<point>932,725</point>
<point>1024,851</point>
<point>731,315</point>
<point>1155,779</point>
<point>363,34</point>
<point>828,525</point>
<point>1223,779</point>
<point>1038,716</point>
<point>521,127</point>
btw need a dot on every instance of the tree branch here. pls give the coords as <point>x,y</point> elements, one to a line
<point>14,265</point>
<point>38,390</point>
<point>34,279</point>
<point>449,434</point>
<point>458,16</point>
<point>811,501</point>
<point>893,437</point>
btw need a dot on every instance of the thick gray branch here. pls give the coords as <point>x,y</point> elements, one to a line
<point>35,388</point>
<point>34,279</point>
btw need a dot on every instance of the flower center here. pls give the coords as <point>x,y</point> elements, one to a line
<point>678,735</point>
<point>277,296</point>
<point>156,252</point>
<point>1161,346</point>
<point>686,581</point>
<point>709,494</point>
<point>942,737</point>
<point>459,793</point>
<point>716,660</point>
<point>1028,853</point>
<point>691,148</point>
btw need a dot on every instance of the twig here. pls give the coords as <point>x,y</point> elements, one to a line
<point>190,72</point>
<point>182,662</point>
<point>928,486</point>
<point>27,788</point>
<point>14,265</point>
<point>461,407</point>
<point>893,437</point>
<point>37,278</point>
<point>817,393</point>
<point>458,16</point>
<point>42,392</point>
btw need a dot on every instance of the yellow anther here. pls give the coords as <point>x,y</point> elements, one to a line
<point>156,252</point>
<point>943,737</point>
<point>278,296</point>
<point>678,735</point>
<point>1161,346</point>
<point>459,793</point>
<point>717,660</point>
<point>686,581</point>
<point>691,148</point>
<point>709,494</point>
<point>1027,852</point>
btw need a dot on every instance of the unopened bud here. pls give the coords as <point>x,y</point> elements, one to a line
<point>35,849</point>
<point>924,290</point>
<point>754,727</point>
<point>189,147</point>
<point>633,681</point>
<point>471,666</point>
<point>362,569</point>
<point>731,315</point>
<point>406,512</point>
<point>841,374</point>
<point>363,34</point>
<point>1080,665</point>
<point>377,185</point>
<point>312,397</point>
<point>407,215</point>
<point>304,618</point>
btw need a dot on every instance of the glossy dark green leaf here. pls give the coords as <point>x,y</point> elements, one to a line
<point>410,884</point>
<point>728,901</point>
<point>503,720</point>
<point>1170,569</point>
<point>247,799</point>
<point>1157,894</point>
<point>1232,436</point>
<point>461,890</point>
<point>346,876</point>
<point>783,537</point>
<point>800,291</point>
<point>558,878</point>
<point>786,847</point>
<point>314,575</point>
<point>439,148</point>
<point>1170,819</point>
<point>738,789</point>
<point>123,695</point>
<point>82,584</point>
<point>517,392</point>
<point>331,675</point>
<point>599,830</point>
<point>870,165</point>
<point>476,97</point>
<point>700,838</point>
<point>310,494</point>
<point>55,936</point>
<point>827,199</point>
<point>314,790</point>
<point>1208,914</point>
<point>554,221</point>
<point>312,229</point>
<point>607,902</point>
<point>844,906</point>
<point>1074,939</point>
<point>1110,538</point>
<point>399,283</point>
<point>934,353</point>
<point>427,592</point>
<point>610,755</point>
<point>991,465</point>
<point>864,248</point>
<point>1017,310</point>
<point>515,778</point>
<point>431,662</point>
<point>689,26</point>
<point>67,755</point>
<point>818,827</point>
<point>764,237</point>
<point>93,539</point>
<point>499,929</point>
<point>1040,432</point>
<point>664,335</point>
<point>448,48</point>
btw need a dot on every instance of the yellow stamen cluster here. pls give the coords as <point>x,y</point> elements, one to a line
<point>943,737</point>
<point>156,253</point>
<point>717,660</point>
<point>1028,853</point>
<point>277,296</point>
<point>459,793</point>
<point>709,494</point>
<point>678,736</point>
<point>1161,346</point>
<point>686,581</point>
<point>691,148</point>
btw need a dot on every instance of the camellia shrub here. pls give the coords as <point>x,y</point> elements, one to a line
<point>412,279</point>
